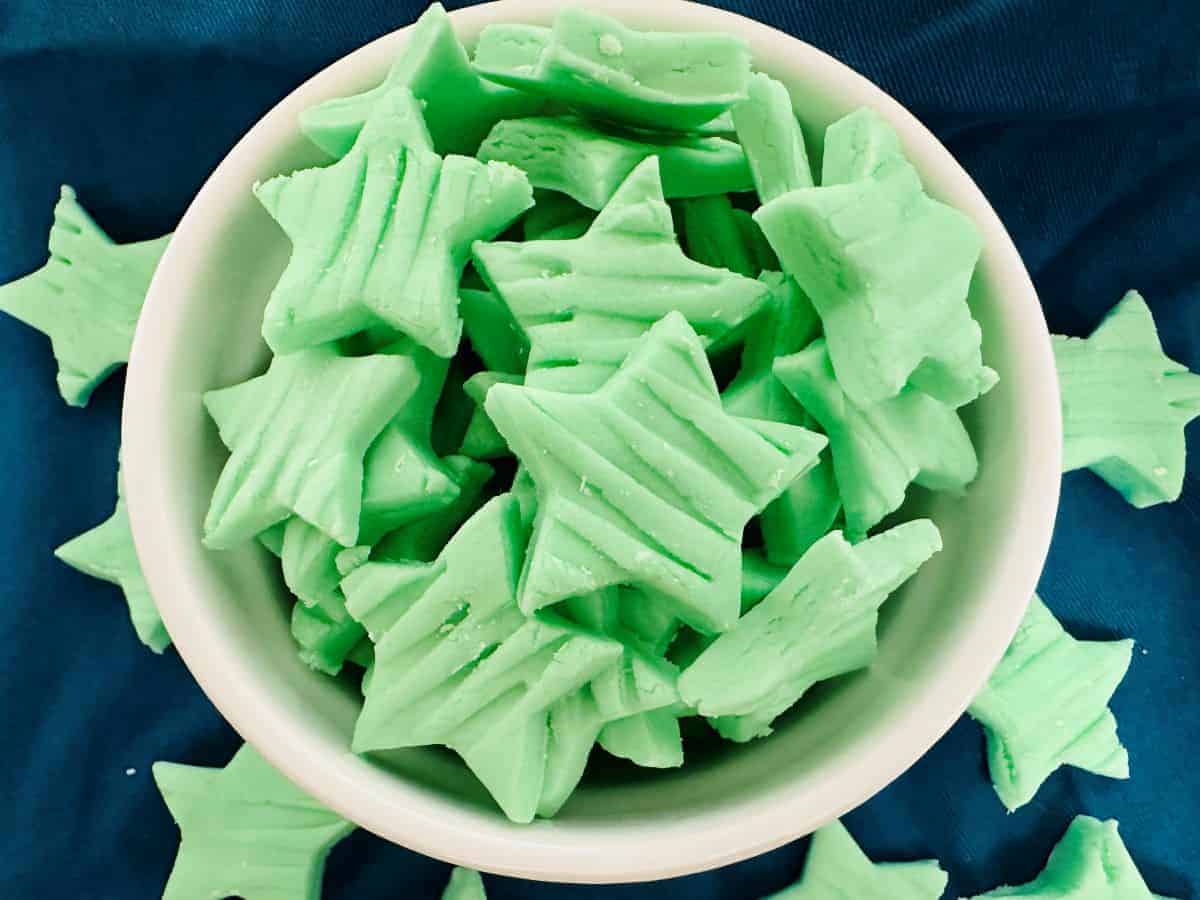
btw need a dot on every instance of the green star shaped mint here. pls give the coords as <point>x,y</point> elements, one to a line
<point>888,269</point>
<point>1126,404</point>
<point>767,128</point>
<point>879,450</point>
<point>460,107</point>
<point>818,623</point>
<point>653,80</point>
<point>464,884</point>
<point>1089,863</point>
<point>403,481</point>
<point>837,868</point>
<point>86,299</point>
<point>245,831</point>
<point>1046,706</point>
<point>383,234</point>
<point>280,464</point>
<point>807,509</point>
<point>107,552</point>
<point>647,481</point>
<point>457,663</point>
<point>584,303</point>
<point>570,156</point>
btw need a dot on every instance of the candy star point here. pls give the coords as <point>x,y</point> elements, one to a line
<point>107,552</point>
<point>836,868</point>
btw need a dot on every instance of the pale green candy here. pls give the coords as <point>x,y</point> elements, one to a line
<point>383,234</point>
<point>817,624</point>
<point>556,216</point>
<point>421,541</point>
<point>465,884</point>
<point>714,235</point>
<point>640,693</point>
<point>1091,862</point>
<point>1046,706</point>
<point>245,831</point>
<point>86,298</point>
<point>482,440</point>
<point>888,269</point>
<point>837,869</point>
<point>576,158</point>
<point>808,508</point>
<point>272,538</point>
<point>785,324</point>
<point>862,145</point>
<point>107,552</point>
<point>457,663</point>
<point>759,578</point>
<point>584,303</point>
<point>459,106</point>
<point>326,636</point>
<point>280,464</point>
<point>767,128</point>
<point>647,481</point>
<point>525,492</point>
<point>403,481</point>
<point>493,332</point>
<point>659,81</point>
<point>879,450</point>
<point>650,739</point>
<point>1126,404</point>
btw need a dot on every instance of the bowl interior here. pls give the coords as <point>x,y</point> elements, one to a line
<point>939,636</point>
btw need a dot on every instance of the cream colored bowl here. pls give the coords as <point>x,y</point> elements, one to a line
<point>940,636</point>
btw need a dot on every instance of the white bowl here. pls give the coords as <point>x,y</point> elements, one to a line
<point>940,636</point>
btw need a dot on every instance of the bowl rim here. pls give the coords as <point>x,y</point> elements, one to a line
<point>559,851</point>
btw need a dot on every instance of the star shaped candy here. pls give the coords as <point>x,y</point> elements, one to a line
<point>457,663</point>
<point>1046,705</point>
<point>383,234</point>
<point>570,156</point>
<point>465,884</point>
<point>86,299</point>
<point>880,449</point>
<point>1089,863</point>
<point>656,81</point>
<point>584,303</point>
<point>1126,404</point>
<point>888,269</point>
<point>403,481</point>
<point>767,128</point>
<point>245,831</point>
<point>647,481</point>
<point>837,868</point>
<point>819,622</point>
<point>280,464</point>
<point>460,107</point>
<point>107,552</point>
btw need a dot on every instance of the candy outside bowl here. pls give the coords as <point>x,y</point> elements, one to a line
<point>940,636</point>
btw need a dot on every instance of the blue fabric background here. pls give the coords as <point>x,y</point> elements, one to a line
<point>1080,120</point>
